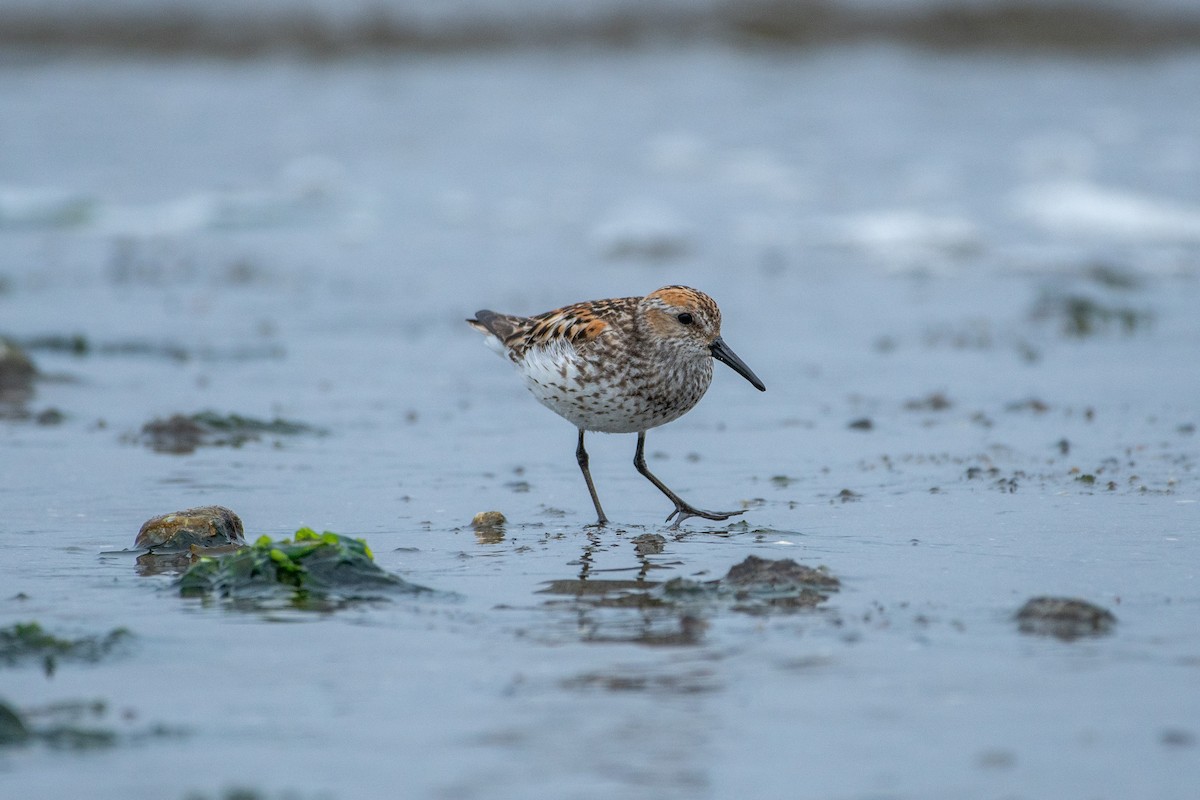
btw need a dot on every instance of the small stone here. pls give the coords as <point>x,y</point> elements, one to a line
<point>931,402</point>
<point>204,527</point>
<point>649,544</point>
<point>488,519</point>
<point>863,424</point>
<point>489,527</point>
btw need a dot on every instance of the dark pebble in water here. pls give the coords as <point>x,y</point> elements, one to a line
<point>488,519</point>
<point>1065,618</point>
<point>932,402</point>
<point>489,527</point>
<point>206,526</point>
<point>649,544</point>
<point>863,424</point>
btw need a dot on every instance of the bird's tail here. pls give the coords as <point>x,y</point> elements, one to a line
<point>502,326</point>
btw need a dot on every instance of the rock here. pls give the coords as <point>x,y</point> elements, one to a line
<point>488,519</point>
<point>1065,618</point>
<point>649,544</point>
<point>203,527</point>
<point>489,527</point>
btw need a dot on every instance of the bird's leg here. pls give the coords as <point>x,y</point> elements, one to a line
<point>682,510</point>
<point>582,457</point>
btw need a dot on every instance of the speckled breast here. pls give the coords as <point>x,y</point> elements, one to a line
<point>613,395</point>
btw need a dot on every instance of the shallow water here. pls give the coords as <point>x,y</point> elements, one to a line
<point>881,226</point>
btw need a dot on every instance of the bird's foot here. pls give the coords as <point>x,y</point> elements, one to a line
<point>684,511</point>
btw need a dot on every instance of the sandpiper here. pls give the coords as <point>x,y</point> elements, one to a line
<point>623,365</point>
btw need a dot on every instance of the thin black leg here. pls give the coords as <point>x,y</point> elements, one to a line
<point>683,510</point>
<point>582,457</point>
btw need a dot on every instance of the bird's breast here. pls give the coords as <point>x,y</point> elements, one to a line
<point>610,393</point>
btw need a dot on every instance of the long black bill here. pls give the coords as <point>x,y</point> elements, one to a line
<point>721,352</point>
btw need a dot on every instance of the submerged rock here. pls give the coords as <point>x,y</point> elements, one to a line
<point>312,570</point>
<point>203,527</point>
<point>180,434</point>
<point>1065,618</point>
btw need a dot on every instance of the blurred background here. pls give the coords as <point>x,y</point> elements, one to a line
<point>920,134</point>
<point>216,171</point>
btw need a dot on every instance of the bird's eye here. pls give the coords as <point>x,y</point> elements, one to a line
<point>684,318</point>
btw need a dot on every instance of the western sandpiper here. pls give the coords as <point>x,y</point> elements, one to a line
<point>620,366</point>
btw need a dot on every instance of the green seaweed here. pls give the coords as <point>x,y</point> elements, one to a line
<point>28,641</point>
<point>13,729</point>
<point>1081,316</point>
<point>310,570</point>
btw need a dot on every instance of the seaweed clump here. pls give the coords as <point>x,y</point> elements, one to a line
<point>180,434</point>
<point>29,641</point>
<point>1065,618</point>
<point>76,725</point>
<point>311,570</point>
